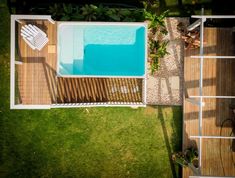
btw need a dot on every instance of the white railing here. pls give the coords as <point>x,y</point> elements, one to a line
<point>144,90</point>
<point>99,104</point>
<point>17,19</point>
<point>80,105</point>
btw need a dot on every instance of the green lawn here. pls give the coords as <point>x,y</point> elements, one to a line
<point>99,142</point>
<point>94,142</point>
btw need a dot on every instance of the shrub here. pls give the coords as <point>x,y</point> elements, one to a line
<point>92,12</point>
<point>157,31</point>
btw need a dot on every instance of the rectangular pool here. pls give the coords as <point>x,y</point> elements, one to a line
<point>101,49</point>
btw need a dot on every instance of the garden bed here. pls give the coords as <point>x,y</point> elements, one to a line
<point>165,87</point>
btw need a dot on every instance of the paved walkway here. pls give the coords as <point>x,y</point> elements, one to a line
<point>166,86</point>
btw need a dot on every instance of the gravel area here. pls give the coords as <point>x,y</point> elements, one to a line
<point>166,86</point>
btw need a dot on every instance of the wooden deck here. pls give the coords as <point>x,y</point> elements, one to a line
<point>88,90</point>
<point>38,83</point>
<point>36,76</point>
<point>219,79</point>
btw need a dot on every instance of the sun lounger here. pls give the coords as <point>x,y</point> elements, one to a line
<point>34,36</point>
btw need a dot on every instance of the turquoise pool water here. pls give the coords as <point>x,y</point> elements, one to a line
<point>101,50</point>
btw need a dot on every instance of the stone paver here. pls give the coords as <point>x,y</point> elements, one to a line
<point>166,86</point>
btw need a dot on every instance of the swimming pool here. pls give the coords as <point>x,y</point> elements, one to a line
<point>101,49</point>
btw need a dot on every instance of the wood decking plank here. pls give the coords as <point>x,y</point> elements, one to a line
<point>217,158</point>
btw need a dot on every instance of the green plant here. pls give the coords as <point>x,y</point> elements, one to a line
<point>124,15</point>
<point>191,154</point>
<point>67,12</point>
<point>157,50</point>
<point>188,158</point>
<point>157,30</point>
<point>162,49</point>
<point>90,12</point>
<point>100,12</point>
<point>77,14</point>
<point>157,22</point>
<point>56,11</point>
<point>151,6</point>
<point>179,158</point>
<point>112,14</point>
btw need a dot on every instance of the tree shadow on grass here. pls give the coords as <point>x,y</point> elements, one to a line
<point>168,140</point>
<point>172,140</point>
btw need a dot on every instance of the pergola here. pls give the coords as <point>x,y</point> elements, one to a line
<point>198,100</point>
<point>41,87</point>
<point>15,61</point>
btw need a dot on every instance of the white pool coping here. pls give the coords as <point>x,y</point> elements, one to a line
<point>140,24</point>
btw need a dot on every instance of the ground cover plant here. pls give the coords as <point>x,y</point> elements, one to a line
<point>157,30</point>
<point>91,12</point>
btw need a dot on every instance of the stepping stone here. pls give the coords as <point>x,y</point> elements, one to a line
<point>174,82</point>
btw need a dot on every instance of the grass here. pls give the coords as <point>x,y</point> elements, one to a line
<point>98,142</point>
<point>95,142</point>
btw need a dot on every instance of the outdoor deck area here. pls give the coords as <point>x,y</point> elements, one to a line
<point>218,79</point>
<point>37,74</point>
<point>39,84</point>
<point>70,90</point>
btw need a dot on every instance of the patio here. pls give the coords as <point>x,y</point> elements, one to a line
<point>37,82</point>
<point>36,74</point>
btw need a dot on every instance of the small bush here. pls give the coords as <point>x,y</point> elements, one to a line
<point>69,12</point>
<point>157,31</point>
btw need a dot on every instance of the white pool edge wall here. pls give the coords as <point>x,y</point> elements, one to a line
<point>143,24</point>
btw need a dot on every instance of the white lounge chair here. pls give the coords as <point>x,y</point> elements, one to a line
<point>34,36</point>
